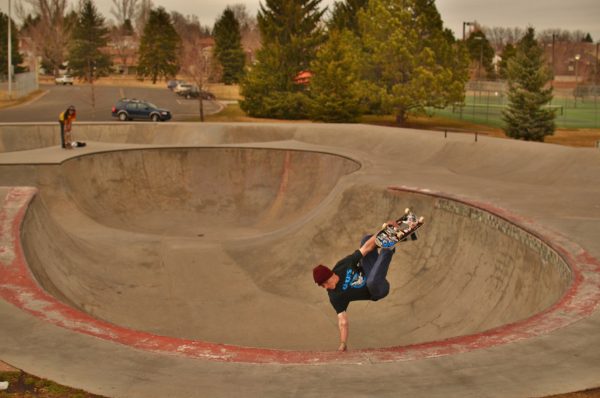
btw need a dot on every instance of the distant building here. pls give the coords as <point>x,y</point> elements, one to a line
<point>571,61</point>
<point>123,51</point>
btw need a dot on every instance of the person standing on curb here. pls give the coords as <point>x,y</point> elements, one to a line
<point>66,119</point>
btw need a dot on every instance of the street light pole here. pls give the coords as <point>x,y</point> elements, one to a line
<point>480,58</point>
<point>577,57</point>
<point>9,54</point>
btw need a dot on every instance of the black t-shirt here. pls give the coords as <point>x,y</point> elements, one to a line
<point>352,285</point>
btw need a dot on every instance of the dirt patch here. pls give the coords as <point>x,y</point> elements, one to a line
<point>4,367</point>
<point>21,384</point>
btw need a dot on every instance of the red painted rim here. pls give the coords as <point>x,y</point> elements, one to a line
<point>18,286</point>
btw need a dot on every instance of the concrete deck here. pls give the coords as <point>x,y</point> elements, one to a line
<point>174,260</point>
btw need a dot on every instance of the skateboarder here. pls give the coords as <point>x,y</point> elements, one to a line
<point>359,276</point>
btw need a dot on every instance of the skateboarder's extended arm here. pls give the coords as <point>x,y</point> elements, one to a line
<point>343,326</point>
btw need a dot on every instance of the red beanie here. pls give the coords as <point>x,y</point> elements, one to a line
<point>321,274</point>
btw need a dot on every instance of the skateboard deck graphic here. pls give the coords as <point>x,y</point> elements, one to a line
<point>408,224</point>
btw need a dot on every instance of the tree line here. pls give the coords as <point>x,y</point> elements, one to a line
<point>376,56</point>
<point>52,28</point>
<point>363,57</point>
<point>382,57</point>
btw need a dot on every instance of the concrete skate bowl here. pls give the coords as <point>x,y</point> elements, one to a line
<point>216,245</point>
<point>216,193</point>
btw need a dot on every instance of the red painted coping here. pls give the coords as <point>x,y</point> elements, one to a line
<point>18,287</point>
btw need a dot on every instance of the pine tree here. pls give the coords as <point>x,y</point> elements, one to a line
<point>159,47</point>
<point>526,116</point>
<point>410,62</point>
<point>290,32</point>
<point>228,47</point>
<point>345,15</point>
<point>333,88</point>
<point>481,53</point>
<point>16,57</point>
<point>90,35</point>
<point>507,54</point>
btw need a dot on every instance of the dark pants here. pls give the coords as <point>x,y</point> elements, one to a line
<point>62,134</point>
<point>375,266</point>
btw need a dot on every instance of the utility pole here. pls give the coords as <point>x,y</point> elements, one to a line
<point>553,58</point>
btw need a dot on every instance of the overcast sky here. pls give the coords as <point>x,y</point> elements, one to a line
<point>571,15</point>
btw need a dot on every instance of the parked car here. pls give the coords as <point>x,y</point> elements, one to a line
<point>129,109</point>
<point>171,84</point>
<point>195,93</point>
<point>182,86</point>
<point>64,80</point>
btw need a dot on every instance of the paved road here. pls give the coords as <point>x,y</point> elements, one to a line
<point>57,98</point>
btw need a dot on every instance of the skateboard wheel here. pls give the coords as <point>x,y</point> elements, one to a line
<point>421,219</point>
<point>407,210</point>
<point>384,226</point>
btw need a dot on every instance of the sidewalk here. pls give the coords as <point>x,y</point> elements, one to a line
<point>34,96</point>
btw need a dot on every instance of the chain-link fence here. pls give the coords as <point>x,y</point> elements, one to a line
<point>485,101</point>
<point>22,85</point>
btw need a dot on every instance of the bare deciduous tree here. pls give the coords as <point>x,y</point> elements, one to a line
<point>143,13</point>
<point>499,37</point>
<point>124,42</point>
<point>243,17</point>
<point>124,10</point>
<point>248,30</point>
<point>196,64</point>
<point>548,35</point>
<point>189,27</point>
<point>51,31</point>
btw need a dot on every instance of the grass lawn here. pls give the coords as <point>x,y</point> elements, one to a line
<point>579,137</point>
<point>486,108</point>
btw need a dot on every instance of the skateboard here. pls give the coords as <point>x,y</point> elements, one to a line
<point>408,224</point>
